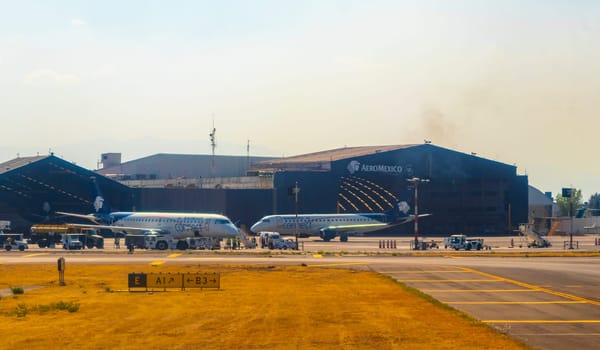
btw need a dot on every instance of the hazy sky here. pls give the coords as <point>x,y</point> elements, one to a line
<point>514,81</point>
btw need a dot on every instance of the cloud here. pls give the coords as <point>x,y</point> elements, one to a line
<point>47,77</point>
<point>77,22</point>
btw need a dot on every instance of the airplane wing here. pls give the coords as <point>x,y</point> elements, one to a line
<point>408,219</point>
<point>361,228</point>
<point>89,217</point>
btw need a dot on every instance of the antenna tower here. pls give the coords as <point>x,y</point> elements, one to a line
<point>248,155</point>
<point>213,144</point>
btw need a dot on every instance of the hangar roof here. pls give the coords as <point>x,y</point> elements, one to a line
<point>171,166</point>
<point>37,186</point>
<point>18,162</point>
<point>322,160</point>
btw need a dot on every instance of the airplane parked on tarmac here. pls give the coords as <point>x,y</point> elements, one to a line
<point>177,225</point>
<point>328,226</point>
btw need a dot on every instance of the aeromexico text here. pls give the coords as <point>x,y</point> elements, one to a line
<point>381,168</point>
<point>355,167</point>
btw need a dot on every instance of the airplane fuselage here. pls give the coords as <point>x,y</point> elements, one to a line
<point>314,224</point>
<point>177,225</point>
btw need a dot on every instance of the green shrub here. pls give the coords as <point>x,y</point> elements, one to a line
<point>17,290</point>
<point>21,310</point>
<point>61,305</point>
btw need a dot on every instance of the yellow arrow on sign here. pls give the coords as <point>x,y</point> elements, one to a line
<point>202,280</point>
<point>164,280</point>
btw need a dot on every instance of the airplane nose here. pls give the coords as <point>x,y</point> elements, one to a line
<point>255,227</point>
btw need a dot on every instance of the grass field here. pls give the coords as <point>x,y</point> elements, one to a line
<point>257,307</point>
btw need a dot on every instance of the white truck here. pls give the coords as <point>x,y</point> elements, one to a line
<point>458,242</point>
<point>72,241</point>
<point>273,240</point>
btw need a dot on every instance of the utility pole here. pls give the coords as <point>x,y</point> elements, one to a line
<point>571,216</point>
<point>296,190</point>
<point>415,181</point>
<point>570,194</point>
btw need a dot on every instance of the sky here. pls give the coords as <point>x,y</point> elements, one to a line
<point>516,81</point>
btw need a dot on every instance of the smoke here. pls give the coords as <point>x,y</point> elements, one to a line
<point>436,127</point>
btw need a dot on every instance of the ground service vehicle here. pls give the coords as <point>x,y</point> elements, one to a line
<point>13,241</point>
<point>208,243</point>
<point>72,242</point>
<point>51,235</point>
<point>458,242</point>
<point>273,240</point>
<point>4,225</point>
<point>160,242</point>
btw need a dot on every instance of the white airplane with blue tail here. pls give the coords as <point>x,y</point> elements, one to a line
<point>328,226</point>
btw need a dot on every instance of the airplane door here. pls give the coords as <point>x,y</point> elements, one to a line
<point>202,228</point>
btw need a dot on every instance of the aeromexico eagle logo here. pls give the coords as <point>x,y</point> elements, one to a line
<point>403,207</point>
<point>98,203</point>
<point>355,166</point>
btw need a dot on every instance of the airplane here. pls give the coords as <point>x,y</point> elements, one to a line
<point>177,225</point>
<point>328,226</point>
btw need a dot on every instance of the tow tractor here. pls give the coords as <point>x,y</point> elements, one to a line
<point>13,241</point>
<point>458,242</point>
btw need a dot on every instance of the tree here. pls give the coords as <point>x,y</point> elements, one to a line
<point>567,206</point>
<point>594,202</point>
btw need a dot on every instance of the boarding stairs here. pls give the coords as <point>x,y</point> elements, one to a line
<point>535,239</point>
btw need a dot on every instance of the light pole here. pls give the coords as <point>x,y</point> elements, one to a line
<point>415,181</point>
<point>570,193</point>
<point>296,190</point>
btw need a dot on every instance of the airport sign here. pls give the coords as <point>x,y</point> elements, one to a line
<point>174,280</point>
<point>202,280</point>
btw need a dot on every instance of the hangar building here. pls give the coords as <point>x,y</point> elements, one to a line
<point>33,188</point>
<point>464,193</point>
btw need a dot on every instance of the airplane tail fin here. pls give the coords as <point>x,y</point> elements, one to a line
<point>400,211</point>
<point>100,215</point>
<point>101,207</point>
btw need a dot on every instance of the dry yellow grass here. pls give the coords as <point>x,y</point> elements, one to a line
<point>257,307</point>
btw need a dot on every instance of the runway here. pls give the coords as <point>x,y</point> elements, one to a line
<point>547,302</point>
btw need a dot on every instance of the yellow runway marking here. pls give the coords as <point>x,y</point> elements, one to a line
<point>541,321</point>
<point>426,271</point>
<point>341,264</point>
<point>174,255</point>
<point>534,287</point>
<point>479,290</point>
<point>157,263</point>
<point>442,281</point>
<point>32,255</point>
<point>318,256</point>
<point>511,302</point>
